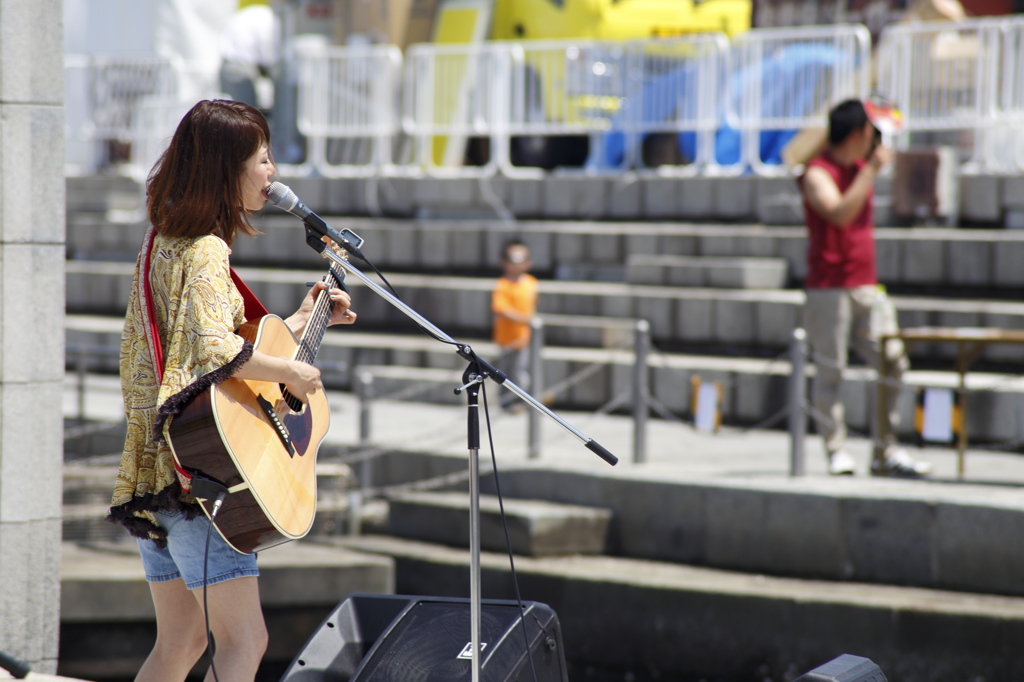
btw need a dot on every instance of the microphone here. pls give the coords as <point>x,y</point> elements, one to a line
<point>284,198</point>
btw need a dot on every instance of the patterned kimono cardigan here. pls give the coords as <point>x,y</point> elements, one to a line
<point>194,307</point>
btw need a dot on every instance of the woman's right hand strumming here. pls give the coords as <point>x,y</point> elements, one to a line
<point>300,378</point>
<point>305,382</point>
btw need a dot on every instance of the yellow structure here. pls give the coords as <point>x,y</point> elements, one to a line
<point>616,19</point>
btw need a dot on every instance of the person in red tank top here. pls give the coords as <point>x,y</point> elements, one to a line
<point>842,285</point>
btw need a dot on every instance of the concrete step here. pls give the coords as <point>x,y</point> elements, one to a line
<point>753,389</point>
<point>938,258</point>
<point>535,527</point>
<point>653,620</point>
<point>938,534</point>
<point>744,320</point>
<point>102,194</point>
<point>986,199</point>
<point>707,271</point>
<point>108,625</point>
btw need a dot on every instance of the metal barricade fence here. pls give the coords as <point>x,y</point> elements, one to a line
<point>562,88</point>
<point>1011,103</point>
<point>676,86</point>
<point>104,94</point>
<point>728,106</point>
<point>348,99</point>
<point>787,79</point>
<point>452,93</point>
<point>945,77</point>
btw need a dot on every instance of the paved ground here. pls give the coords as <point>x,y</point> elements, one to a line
<point>674,450</point>
<point>915,631</point>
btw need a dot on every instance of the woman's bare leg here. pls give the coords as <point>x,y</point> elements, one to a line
<point>239,632</point>
<point>180,634</point>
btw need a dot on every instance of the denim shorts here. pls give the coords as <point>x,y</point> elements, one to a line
<point>183,556</point>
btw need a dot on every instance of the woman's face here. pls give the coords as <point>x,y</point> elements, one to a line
<point>256,175</point>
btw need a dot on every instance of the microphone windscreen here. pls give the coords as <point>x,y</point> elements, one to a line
<point>282,196</point>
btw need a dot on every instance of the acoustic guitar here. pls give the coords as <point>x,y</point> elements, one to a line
<point>258,440</point>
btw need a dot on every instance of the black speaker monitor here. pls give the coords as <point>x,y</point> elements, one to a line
<point>387,638</point>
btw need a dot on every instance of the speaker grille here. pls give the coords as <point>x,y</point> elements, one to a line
<point>425,645</point>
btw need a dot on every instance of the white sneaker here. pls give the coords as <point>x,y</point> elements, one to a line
<point>840,463</point>
<point>900,464</point>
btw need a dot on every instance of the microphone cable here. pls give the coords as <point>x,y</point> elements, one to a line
<point>508,539</point>
<point>207,489</point>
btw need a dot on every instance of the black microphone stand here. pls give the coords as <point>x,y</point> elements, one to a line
<point>477,371</point>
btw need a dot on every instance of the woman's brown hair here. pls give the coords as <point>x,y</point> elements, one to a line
<point>195,189</point>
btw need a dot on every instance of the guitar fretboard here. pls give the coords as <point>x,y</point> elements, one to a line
<point>313,335</point>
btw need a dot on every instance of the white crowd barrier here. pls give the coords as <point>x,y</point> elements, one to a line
<point>677,88</point>
<point>1012,92</point>
<point>680,106</point>
<point>959,84</point>
<point>1011,103</point>
<point>616,94</point>
<point>348,107</point>
<point>788,79</point>
<point>453,93</point>
<point>944,77</point>
<point>120,111</point>
<point>102,98</point>
<point>565,88</point>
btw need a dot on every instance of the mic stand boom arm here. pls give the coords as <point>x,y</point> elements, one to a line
<point>466,352</point>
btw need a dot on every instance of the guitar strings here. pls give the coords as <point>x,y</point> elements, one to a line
<point>308,347</point>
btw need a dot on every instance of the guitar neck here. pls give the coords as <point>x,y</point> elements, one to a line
<point>313,335</point>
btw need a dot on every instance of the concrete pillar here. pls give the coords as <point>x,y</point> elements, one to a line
<point>31,327</point>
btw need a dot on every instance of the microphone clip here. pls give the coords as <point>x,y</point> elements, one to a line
<point>313,238</point>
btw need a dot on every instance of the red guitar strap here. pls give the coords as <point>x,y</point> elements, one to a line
<point>254,310</point>
<point>149,311</point>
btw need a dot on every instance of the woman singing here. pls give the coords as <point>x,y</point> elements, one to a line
<point>185,308</point>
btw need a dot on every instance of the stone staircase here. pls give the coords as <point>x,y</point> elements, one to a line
<point>656,572</point>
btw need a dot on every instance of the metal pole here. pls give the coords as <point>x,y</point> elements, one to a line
<point>797,399</point>
<point>641,345</point>
<point>355,505</point>
<point>880,426</point>
<point>536,386</point>
<point>364,393</point>
<point>472,379</point>
<point>81,362</point>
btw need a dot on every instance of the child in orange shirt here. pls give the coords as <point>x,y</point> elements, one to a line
<point>514,303</point>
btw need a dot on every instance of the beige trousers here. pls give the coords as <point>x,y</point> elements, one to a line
<point>835,319</point>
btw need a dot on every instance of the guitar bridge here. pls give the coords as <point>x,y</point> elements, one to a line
<point>279,427</point>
